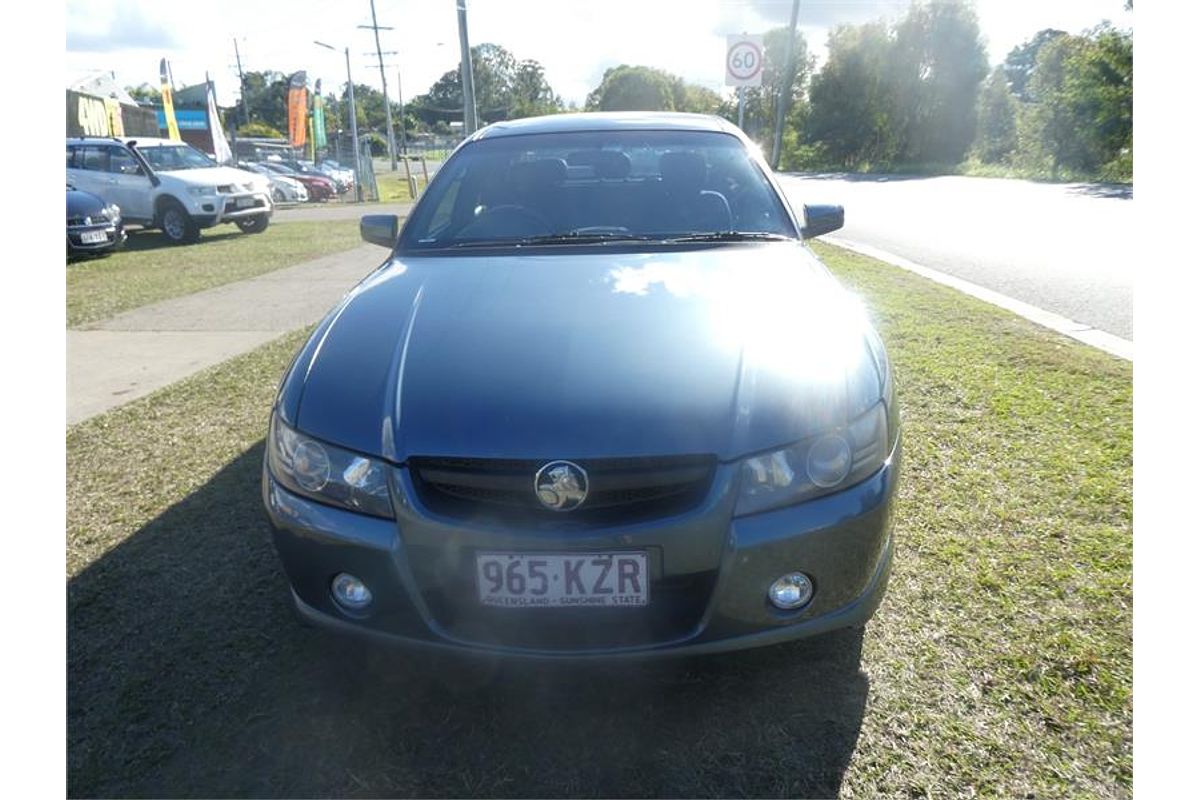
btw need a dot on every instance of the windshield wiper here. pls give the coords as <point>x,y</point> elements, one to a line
<point>732,236</point>
<point>572,237</point>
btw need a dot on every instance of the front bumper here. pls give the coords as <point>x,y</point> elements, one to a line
<point>114,236</point>
<point>210,210</point>
<point>843,541</point>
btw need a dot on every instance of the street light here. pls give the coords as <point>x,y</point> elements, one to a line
<point>353,120</point>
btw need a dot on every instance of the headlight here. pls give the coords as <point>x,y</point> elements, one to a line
<point>327,473</point>
<point>816,466</point>
<point>202,191</point>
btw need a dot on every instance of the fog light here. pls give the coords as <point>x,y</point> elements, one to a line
<point>791,591</point>
<point>350,592</point>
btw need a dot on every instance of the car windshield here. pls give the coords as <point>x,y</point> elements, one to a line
<point>597,186</point>
<point>176,156</point>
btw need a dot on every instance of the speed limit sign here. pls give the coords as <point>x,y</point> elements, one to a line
<point>744,60</point>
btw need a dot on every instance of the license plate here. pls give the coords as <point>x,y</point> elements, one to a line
<point>93,237</point>
<point>245,202</point>
<point>526,580</point>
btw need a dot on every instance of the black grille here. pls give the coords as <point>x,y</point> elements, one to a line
<point>618,488</point>
<point>97,221</point>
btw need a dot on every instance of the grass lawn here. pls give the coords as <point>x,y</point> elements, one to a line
<point>391,184</point>
<point>149,269</point>
<point>1000,663</point>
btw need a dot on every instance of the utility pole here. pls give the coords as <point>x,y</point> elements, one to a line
<point>400,97</point>
<point>241,83</point>
<point>785,90</point>
<point>470,121</point>
<point>354,132</point>
<point>387,105</point>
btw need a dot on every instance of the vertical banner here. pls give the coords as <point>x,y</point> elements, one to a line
<point>221,149</point>
<point>297,109</point>
<point>318,116</point>
<point>168,103</point>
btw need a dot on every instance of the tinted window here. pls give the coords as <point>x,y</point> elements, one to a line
<point>180,156</point>
<point>119,160</point>
<point>92,157</point>
<point>643,183</point>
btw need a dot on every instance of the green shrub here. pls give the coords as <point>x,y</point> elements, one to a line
<point>259,129</point>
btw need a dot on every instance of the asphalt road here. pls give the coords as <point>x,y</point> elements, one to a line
<point>1064,248</point>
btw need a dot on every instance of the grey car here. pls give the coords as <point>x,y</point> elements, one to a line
<point>600,400</point>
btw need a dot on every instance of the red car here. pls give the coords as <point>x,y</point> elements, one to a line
<point>319,188</point>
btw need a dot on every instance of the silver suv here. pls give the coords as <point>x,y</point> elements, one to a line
<point>169,185</point>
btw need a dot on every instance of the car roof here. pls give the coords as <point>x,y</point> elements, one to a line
<point>608,121</point>
<point>150,141</point>
<point>142,141</point>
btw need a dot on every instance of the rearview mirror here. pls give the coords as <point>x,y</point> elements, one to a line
<point>380,229</point>
<point>819,220</point>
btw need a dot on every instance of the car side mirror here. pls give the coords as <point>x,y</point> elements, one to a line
<point>820,220</point>
<point>380,229</point>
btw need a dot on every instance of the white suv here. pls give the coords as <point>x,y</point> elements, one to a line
<point>159,183</point>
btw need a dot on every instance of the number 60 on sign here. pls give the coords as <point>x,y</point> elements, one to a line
<point>744,60</point>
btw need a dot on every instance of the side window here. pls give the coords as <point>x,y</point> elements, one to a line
<point>93,158</point>
<point>443,214</point>
<point>71,157</point>
<point>121,161</point>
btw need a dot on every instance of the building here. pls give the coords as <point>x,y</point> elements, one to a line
<point>98,106</point>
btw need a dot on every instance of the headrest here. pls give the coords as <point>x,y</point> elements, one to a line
<point>538,174</point>
<point>683,170</point>
<point>613,164</point>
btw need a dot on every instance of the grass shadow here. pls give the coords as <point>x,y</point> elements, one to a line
<point>1115,191</point>
<point>141,239</point>
<point>858,177</point>
<point>188,676</point>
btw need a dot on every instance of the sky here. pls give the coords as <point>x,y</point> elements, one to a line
<point>575,40</point>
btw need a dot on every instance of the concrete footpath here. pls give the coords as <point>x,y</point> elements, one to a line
<point>113,361</point>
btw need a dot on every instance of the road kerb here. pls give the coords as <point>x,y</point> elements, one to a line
<point>1102,340</point>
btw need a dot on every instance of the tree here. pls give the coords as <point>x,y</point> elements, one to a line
<point>852,116</point>
<point>1082,88</point>
<point>900,94</point>
<point>504,89</point>
<point>761,101</point>
<point>938,66</point>
<point>530,93</point>
<point>637,88</point>
<point>265,94</point>
<point>996,140</point>
<point>633,88</point>
<point>145,93</point>
<point>1018,65</point>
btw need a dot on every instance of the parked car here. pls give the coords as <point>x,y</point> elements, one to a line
<point>343,179</point>
<point>600,400</point>
<point>283,188</point>
<point>319,187</point>
<point>94,225</point>
<point>169,185</point>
